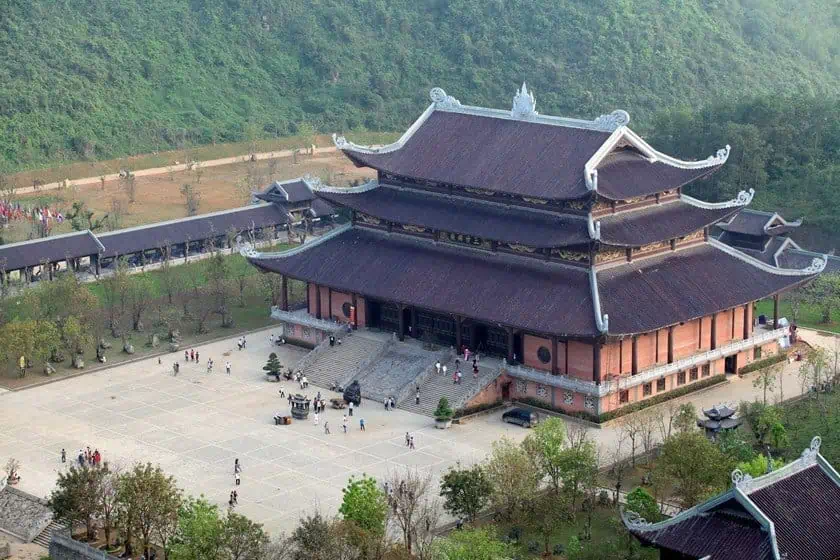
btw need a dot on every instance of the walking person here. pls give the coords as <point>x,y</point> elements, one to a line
<point>237,468</point>
<point>192,355</point>
<point>186,355</point>
<point>437,367</point>
<point>315,419</point>
<point>350,408</point>
<point>459,374</point>
<point>227,367</point>
<point>417,397</point>
<point>407,439</point>
<point>385,402</point>
<point>236,478</point>
<point>63,455</point>
<point>326,428</point>
<point>362,424</point>
<point>344,423</point>
<point>411,443</point>
<point>443,370</point>
<point>196,357</point>
<point>392,403</point>
<point>235,498</point>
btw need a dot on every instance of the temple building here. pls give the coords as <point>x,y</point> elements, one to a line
<point>766,236</point>
<point>790,513</point>
<point>565,246</point>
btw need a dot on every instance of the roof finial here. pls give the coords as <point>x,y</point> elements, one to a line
<point>441,100</point>
<point>524,104</point>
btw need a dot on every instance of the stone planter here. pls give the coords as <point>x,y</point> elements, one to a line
<point>441,424</point>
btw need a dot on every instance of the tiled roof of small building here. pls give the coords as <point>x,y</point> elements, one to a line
<point>196,228</point>
<point>15,256</point>
<point>792,512</point>
<point>758,224</point>
<point>487,220</point>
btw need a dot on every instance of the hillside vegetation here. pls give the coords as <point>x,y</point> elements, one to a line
<point>104,78</point>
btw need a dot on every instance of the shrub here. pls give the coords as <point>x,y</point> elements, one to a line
<point>443,411</point>
<point>641,502</point>
<point>766,362</point>
<point>467,410</point>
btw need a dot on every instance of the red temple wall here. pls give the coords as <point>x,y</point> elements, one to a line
<point>706,333</point>
<point>325,302</point>
<point>360,311</point>
<point>686,339</point>
<point>338,299</point>
<point>646,348</point>
<point>662,346</point>
<point>530,345</point>
<point>561,357</point>
<point>580,360</point>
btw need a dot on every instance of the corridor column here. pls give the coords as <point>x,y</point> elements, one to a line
<point>671,344</point>
<point>510,345</point>
<point>458,345</point>
<point>317,301</point>
<point>776,311</point>
<point>402,323</point>
<point>596,361</point>
<point>284,293</point>
<point>635,355</point>
<point>714,332</point>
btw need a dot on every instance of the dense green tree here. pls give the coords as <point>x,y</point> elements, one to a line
<point>546,445</point>
<point>474,544</point>
<point>696,466</point>
<point>466,491</point>
<point>514,480</point>
<point>200,532</point>
<point>77,497</point>
<point>365,504</point>
<point>641,502</point>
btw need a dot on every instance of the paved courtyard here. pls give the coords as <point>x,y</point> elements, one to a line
<point>195,425</point>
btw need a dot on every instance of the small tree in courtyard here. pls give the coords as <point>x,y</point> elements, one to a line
<point>272,367</point>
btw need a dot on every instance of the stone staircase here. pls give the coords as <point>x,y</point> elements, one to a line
<point>437,386</point>
<point>343,362</point>
<point>45,536</point>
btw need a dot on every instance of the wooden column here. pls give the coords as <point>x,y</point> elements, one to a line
<point>97,262</point>
<point>635,355</point>
<point>732,334</point>
<point>50,270</point>
<point>401,334</point>
<point>746,321</point>
<point>714,331</point>
<point>329,304</point>
<point>776,311</point>
<point>317,301</point>
<point>458,321</point>
<point>284,293</point>
<point>671,344</point>
<point>308,303</point>
<point>414,322</point>
<point>554,370</point>
<point>355,324</point>
<point>596,361</point>
<point>510,345</point>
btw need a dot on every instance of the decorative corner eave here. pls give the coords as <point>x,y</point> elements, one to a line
<point>817,264</point>
<point>743,199</point>
<point>602,322</point>
<point>345,145</point>
<point>253,255</point>
<point>318,187</point>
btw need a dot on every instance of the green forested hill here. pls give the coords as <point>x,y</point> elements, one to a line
<point>103,78</point>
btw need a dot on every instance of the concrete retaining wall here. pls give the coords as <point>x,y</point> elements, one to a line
<point>62,547</point>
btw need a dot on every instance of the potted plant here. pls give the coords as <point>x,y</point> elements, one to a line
<point>273,367</point>
<point>443,414</point>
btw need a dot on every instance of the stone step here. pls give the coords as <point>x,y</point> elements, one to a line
<point>45,536</point>
<point>342,361</point>
<point>438,386</point>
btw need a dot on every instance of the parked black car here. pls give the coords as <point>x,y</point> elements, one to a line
<point>521,416</point>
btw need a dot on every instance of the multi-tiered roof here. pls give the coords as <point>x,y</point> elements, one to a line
<point>552,225</point>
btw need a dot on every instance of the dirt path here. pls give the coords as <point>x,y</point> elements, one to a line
<point>174,168</point>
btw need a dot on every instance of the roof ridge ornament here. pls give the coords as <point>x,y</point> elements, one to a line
<point>613,121</point>
<point>594,228</point>
<point>441,100</point>
<point>743,198</point>
<point>524,104</point>
<point>809,455</point>
<point>739,478</point>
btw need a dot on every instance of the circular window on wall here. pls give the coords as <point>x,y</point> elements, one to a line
<point>345,308</point>
<point>544,354</point>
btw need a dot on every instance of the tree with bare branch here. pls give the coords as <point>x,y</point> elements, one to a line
<point>415,510</point>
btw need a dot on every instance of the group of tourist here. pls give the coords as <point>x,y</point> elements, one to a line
<point>241,343</point>
<point>85,457</point>
<point>457,376</point>
<point>389,403</point>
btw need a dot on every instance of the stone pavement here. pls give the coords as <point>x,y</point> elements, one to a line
<point>194,425</point>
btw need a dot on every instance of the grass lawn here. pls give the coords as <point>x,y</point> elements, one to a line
<point>809,315</point>
<point>606,526</point>
<point>249,313</point>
